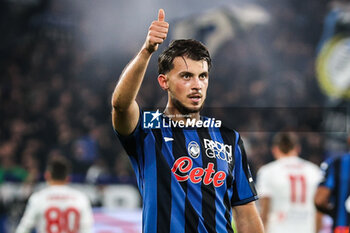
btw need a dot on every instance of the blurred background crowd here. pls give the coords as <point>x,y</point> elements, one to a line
<point>60,61</point>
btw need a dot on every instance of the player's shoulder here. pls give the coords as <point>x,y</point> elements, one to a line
<point>226,130</point>
<point>39,194</point>
<point>342,157</point>
<point>35,197</point>
<point>309,164</point>
<point>75,191</point>
<point>334,159</point>
<point>222,128</point>
<point>65,189</point>
<point>312,170</point>
<point>216,123</point>
<point>269,167</point>
<point>77,194</point>
<point>280,165</point>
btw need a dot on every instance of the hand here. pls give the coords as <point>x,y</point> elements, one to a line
<point>157,32</point>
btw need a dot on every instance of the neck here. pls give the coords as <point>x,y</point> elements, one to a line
<point>57,182</point>
<point>175,115</point>
<point>290,154</point>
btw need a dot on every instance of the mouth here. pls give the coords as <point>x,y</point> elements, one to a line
<point>196,98</point>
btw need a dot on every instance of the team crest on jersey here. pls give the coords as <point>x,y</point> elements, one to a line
<point>215,149</point>
<point>193,149</point>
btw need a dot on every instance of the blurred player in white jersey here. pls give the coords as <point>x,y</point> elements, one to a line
<point>286,188</point>
<point>57,208</point>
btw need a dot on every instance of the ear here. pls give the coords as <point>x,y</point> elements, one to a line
<point>47,176</point>
<point>163,81</point>
<point>273,149</point>
<point>275,152</point>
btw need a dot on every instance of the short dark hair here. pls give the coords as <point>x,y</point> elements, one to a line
<point>285,141</point>
<point>190,48</point>
<point>59,168</point>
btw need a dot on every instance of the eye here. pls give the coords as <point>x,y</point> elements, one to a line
<point>186,76</point>
<point>203,76</point>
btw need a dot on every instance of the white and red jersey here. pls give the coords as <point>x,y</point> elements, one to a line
<point>290,183</point>
<point>57,209</point>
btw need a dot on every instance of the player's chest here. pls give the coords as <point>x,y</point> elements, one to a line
<point>196,158</point>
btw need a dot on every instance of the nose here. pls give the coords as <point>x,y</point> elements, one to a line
<point>196,83</point>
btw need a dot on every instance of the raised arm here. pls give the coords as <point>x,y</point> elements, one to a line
<point>125,110</point>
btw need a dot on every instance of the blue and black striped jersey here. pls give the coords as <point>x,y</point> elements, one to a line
<point>189,177</point>
<point>337,179</point>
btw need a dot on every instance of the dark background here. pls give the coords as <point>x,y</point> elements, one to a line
<point>60,61</point>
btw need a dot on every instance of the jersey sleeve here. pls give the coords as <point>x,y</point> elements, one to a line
<point>329,174</point>
<point>28,220</point>
<point>87,220</point>
<point>243,185</point>
<point>133,145</point>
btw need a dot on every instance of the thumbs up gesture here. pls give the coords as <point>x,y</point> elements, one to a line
<point>157,32</point>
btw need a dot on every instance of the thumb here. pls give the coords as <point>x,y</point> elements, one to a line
<point>161,15</point>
